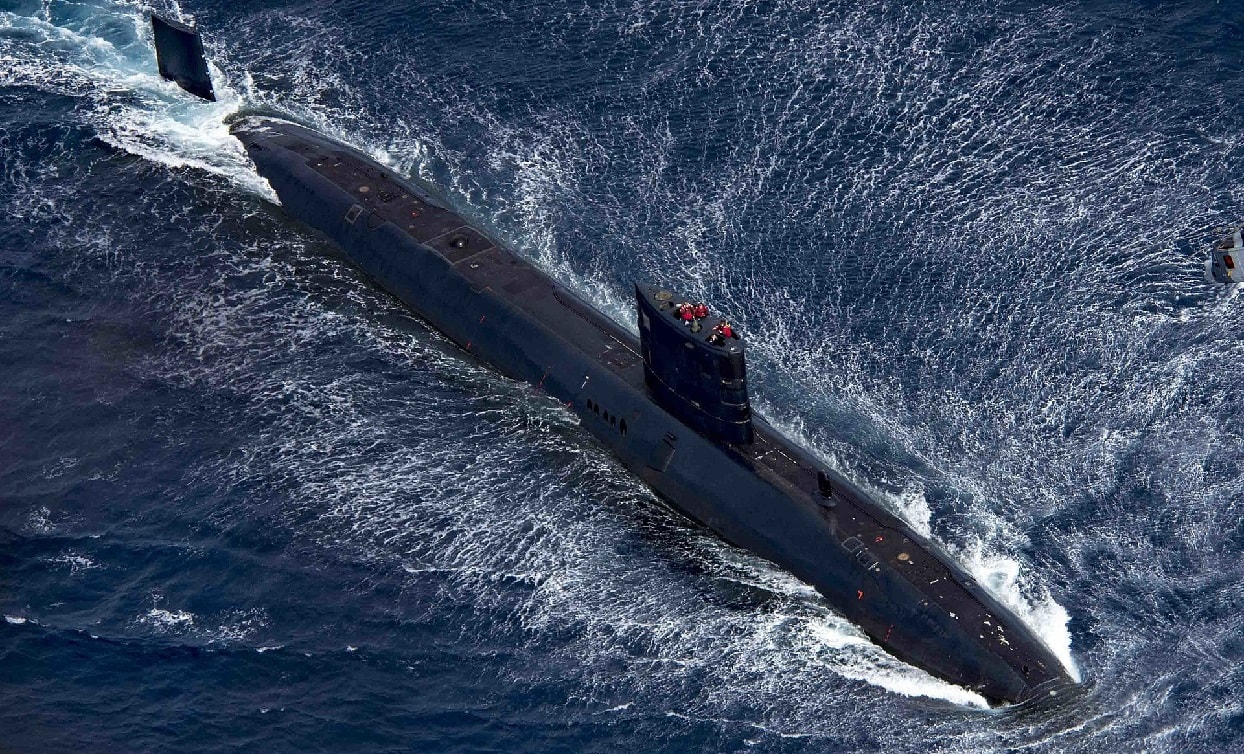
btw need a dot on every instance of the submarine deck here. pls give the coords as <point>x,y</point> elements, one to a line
<point>876,538</point>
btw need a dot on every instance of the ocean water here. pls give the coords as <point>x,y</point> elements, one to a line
<point>248,501</point>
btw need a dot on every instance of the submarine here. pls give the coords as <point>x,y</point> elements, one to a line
<point>671,404</point>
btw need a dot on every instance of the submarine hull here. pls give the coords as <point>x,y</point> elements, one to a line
<point>767,496</point>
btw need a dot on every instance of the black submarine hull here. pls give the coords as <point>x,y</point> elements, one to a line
<point>767,496</point>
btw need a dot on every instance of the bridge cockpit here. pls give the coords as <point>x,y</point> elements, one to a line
<point>694,364</point>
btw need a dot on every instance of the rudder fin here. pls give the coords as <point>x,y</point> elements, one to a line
<point>179,55</point>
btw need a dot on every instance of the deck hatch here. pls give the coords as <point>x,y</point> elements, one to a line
<point>661,454</point>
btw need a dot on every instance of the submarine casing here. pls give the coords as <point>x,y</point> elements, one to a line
<point>766,496</point>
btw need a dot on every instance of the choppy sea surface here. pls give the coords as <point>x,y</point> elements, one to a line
<point>249,502</point>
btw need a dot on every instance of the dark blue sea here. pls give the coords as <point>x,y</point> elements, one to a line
<point>248,502</point>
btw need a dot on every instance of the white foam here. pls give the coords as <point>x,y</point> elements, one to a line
<point>236,626</point>
<point>912,506</point>
<point>166,620</point>
<point>58,467</point>
<point>75,562</point>
<point>15,620</point>
<point>40,520</point>
<point>853,655</point>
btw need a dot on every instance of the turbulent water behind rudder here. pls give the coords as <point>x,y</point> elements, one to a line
<point>247,500</point>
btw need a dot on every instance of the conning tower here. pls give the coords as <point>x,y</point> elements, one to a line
<point>693,370</point>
